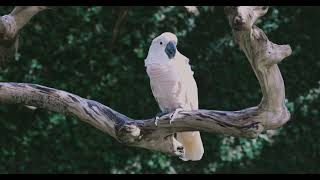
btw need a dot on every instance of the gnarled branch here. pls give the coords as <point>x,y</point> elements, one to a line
<point>263,56</point>
<point>141,133</point>
<point>9,28</point>
<point>271,113</point>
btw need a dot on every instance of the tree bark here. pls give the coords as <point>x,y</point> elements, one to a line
<point>9,29</point>
<point>271,113</point>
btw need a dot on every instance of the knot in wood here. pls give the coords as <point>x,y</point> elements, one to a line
<point>128,133</point>
<point>10,27</point>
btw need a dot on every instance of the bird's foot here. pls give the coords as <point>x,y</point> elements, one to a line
<point>158,115</point>
<point>156,120</point>
<point>174,114</point>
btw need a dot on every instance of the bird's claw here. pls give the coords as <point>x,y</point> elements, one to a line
<point>171,120</point>
<point>174,115</point>
<point>156,120</point>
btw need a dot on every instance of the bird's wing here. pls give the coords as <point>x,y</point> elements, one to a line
<point>192,93</point>
<point>191,140</point>
<point>189,84</point>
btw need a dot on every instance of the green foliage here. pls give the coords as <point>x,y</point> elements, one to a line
<point>70,49</point>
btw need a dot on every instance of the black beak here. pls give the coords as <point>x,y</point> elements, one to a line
<point>171,50</point>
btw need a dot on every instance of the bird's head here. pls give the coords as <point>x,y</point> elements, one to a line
<point>163,49</point>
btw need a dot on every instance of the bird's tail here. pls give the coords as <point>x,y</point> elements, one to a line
<point>193,145</point>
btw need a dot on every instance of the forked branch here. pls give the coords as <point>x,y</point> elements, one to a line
<point>271,113</point>
<point>9,28</point>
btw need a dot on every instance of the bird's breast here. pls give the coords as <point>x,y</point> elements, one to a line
<point>166,86</point>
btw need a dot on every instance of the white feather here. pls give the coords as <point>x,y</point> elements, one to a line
<point>174,86</point>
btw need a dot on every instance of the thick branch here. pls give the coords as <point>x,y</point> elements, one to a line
<point>263,56</point>
<point>271,113</point>
<point>10,26</point>
<point>140,133</point>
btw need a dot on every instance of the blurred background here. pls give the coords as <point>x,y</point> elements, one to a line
<point>98,53</point>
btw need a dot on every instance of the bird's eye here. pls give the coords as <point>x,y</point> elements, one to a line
<point>160,43</point>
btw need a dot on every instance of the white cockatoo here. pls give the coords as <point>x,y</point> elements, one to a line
<point>174,88</point>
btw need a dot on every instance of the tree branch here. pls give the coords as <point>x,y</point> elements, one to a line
<point>271,113</point>
<point>120,21</point>
<point>263,56</point>
<point>192,9</point>
<point>9,28</point>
